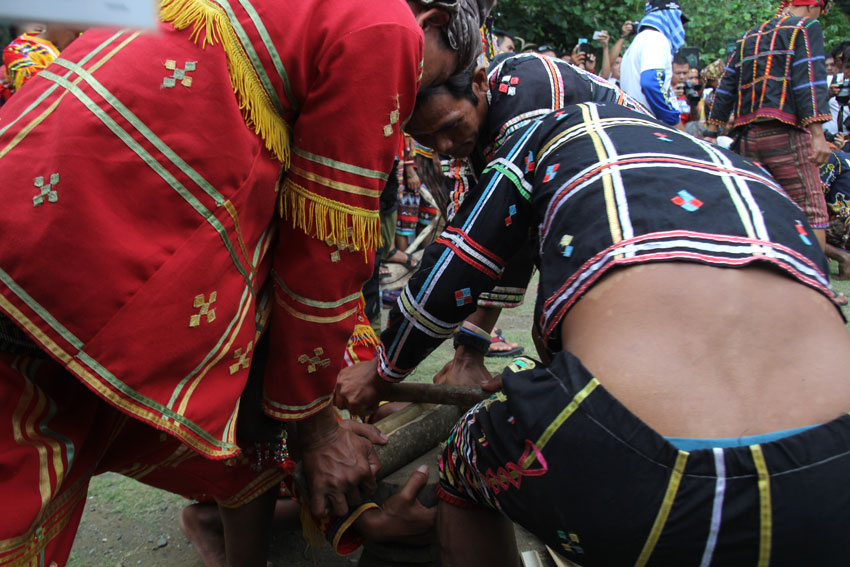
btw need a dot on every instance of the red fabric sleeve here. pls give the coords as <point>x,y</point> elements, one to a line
<point>344,143</point>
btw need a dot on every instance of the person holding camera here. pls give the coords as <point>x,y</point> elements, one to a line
<point>646,71</point>
<point>837,130</point>
<point>687,98</point>
<point>774,88</point>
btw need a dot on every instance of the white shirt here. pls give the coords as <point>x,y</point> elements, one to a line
<point>831,127</point>
<point>649,50</point>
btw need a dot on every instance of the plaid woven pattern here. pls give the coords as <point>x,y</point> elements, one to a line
<point>777,71</point>
<point>784,152</point>
<point>593,188</point>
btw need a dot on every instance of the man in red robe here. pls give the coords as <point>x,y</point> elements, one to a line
<point>171,198</point>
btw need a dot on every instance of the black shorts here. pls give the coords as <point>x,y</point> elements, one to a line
<point>562,457</point>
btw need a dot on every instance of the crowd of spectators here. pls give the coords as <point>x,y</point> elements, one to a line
<point>648,61</point>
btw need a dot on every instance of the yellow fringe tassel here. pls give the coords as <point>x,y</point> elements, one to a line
<point>364,335</point>
<point>309,530</point>
<point>325,219</point>
<point>211,26</point>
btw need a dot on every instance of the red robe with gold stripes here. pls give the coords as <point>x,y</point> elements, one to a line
<point>144,179</point>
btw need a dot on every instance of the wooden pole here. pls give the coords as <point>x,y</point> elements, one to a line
<point>453,395</point>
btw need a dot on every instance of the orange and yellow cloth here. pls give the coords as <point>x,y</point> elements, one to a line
<point>25,58</point>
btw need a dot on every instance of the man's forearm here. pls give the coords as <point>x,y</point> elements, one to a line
<point>617,48</point>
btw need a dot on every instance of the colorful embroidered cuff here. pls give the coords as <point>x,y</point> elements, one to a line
<point>283,412</point>
<point>389,372</point>
<point>504,297</point>
<point>808,121</point>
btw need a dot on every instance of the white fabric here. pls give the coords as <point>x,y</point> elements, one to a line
<point>831,127</point>
<point>717,507</point>
<point>649,50</point>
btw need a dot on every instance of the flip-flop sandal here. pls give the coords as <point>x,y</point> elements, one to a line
<point>389,297</point>
<point>407,263</point>
<point>497,338</point>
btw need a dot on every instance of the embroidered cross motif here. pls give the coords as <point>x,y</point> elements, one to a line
<point>243,361</point>
<point>508,85</point>
<point>529,162</point>
<point>179,74</point>
<point>551,172</point>
<point>511,212</point>
<point>47,191</point>
<point>316,361</point>
<point>463,296</point>
<point>331,241</point>
<point>205,311</point>
<point>395,115</point>
<point>566,245</point>
<point>687,201</point>
<point>662,137</point>
<point>561,114</point>
<point>801,230</point>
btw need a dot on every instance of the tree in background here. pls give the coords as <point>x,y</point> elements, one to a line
<point>712,25</point>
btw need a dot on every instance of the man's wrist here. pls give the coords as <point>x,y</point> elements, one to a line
<point>466,355</point>
<point>317,427</point>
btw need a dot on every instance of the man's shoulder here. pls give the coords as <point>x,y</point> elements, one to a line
<point>783,22</point>
<point>650,36</point>
<point>356,15</point>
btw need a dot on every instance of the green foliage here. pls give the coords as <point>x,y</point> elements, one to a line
<point>712,24</point>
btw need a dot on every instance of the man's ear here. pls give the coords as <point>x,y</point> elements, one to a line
<point>480,82</point>
<point>432,17</point>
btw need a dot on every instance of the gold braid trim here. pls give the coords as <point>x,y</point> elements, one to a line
<point>329,220</point>
<point>211,25</point>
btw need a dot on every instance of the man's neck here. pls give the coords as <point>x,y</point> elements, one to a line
<point>803,12</point>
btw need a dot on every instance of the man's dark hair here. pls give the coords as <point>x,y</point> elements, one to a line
<point>501,34</point>
<point>680,60</point>
<point>839,50</point>
<point>458,86</point>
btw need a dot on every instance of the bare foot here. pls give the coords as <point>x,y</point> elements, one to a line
<point>397,256</point>
<point>202,525</point>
